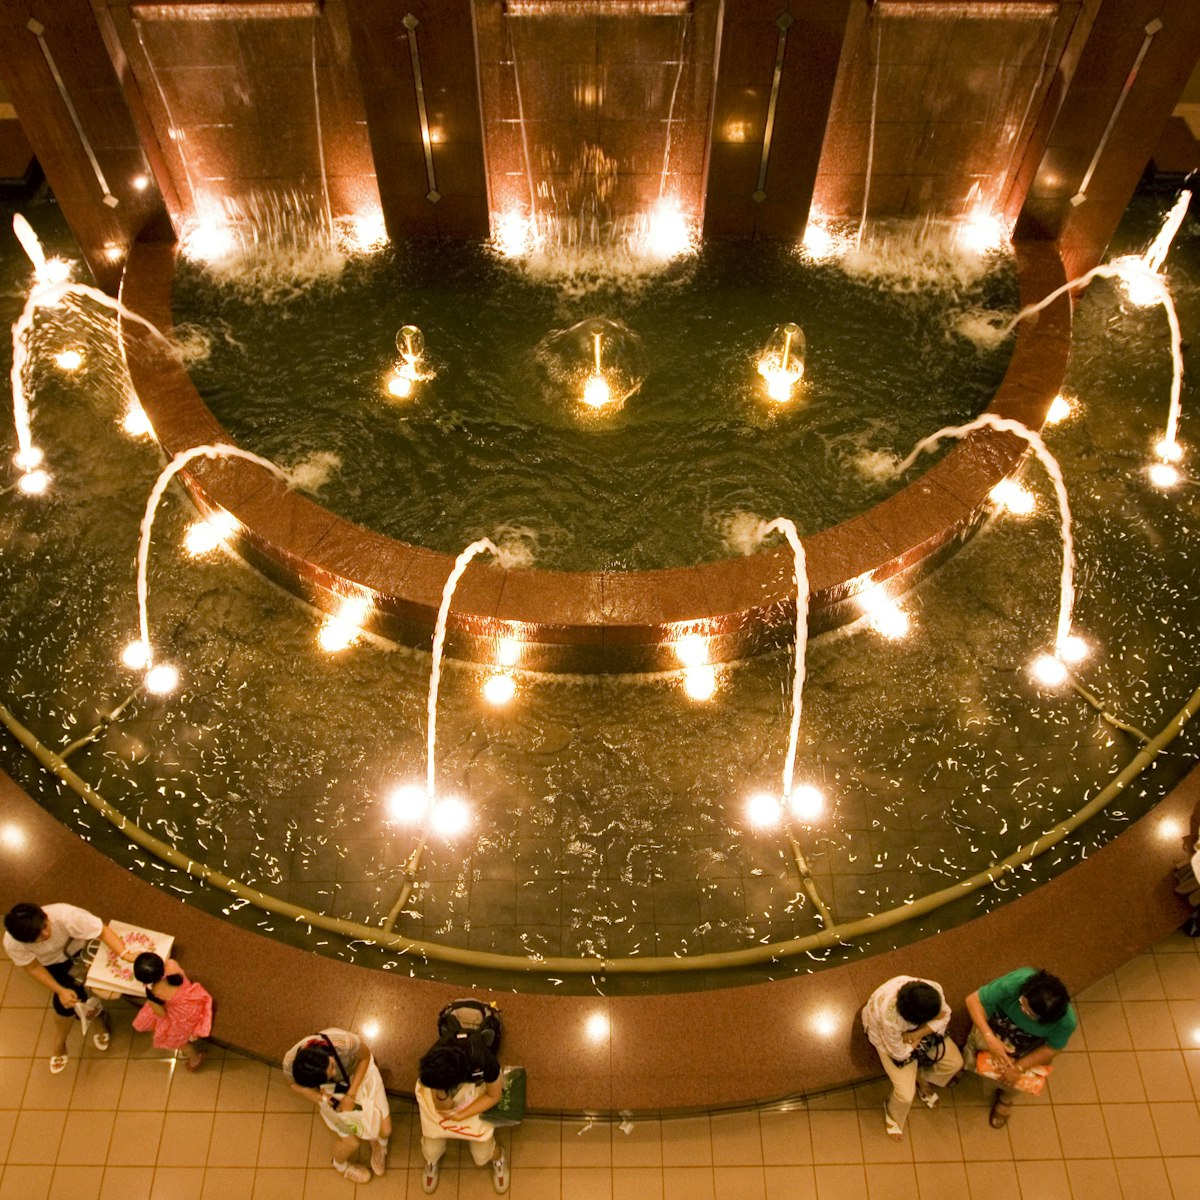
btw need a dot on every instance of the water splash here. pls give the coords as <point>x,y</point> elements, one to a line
<point>1066,593</point>
<point>168,473</point>
<point>1156,252</point>
<point>800,572</point>
<point>439,640</point>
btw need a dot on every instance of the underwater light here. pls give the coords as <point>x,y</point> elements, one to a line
<point>1164,475</point>
<point>667,233</point>
<point>162,679</point>
<point>450,816</point>
<point>400,385</point>
<point>68,360</point>
<point>806,802</point>
<point>1049,670</point>
<point>886,617</point>
<point>1060,409</point>
<point>140,182</point>
<point>818,241</point>
<point>692,650</point>
<point>499,689</point>
<point>1073,649</point>
<point>28,458</point>
<point>1143,286</point>
<point>764,811</point>
<point>596,392</point>
<point>981,232</point>
<point>1012,497</point>
<point>54,270</point>
<point>513,234</point>
<point>136,655</point>
<point>407,804</point>
<point>135,422</point>
<point>508,652</point>
<point>209,242</point>
<point>1169,450</point>
<point>34,483</point>
<point>343,628</point>
<point>369,231</point>
<point>202,537</point>
<point>700,682</point>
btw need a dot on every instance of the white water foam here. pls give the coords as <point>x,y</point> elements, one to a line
<point>311,474</point>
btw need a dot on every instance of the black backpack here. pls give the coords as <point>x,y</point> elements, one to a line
<point>474,1025</point>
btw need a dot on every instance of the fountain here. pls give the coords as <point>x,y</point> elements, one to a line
<point>593,716</point>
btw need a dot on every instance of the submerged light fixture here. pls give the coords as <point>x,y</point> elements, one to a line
<point>781,362</point>
<point>596,392</point>
<point>407,372</point>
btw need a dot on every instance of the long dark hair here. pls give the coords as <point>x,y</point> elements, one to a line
<point>148,969</point>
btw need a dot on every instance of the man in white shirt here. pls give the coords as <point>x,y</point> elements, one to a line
<point>899,1016</point>
<point>44,941</point>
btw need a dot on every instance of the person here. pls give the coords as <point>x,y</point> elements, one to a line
<point>337,1072</point>
<point>1022,1019</point>
<point>45,941</point>
<point>450,1104</point>
<point>178,1011</point>
<point>906,1019</point>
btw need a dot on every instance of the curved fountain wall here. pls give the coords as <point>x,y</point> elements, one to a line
<point>597,621</point>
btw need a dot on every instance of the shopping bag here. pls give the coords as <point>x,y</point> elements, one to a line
<point>511,1108</point>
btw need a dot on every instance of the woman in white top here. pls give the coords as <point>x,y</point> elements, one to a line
<point>899,1016</point>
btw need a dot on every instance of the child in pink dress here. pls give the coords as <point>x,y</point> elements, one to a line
<point>177,1010</point>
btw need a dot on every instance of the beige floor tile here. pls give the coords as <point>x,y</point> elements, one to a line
<point>98,1083</point>
<point>284,1139</point>
<point>534,1183</point>
<point>786,1138</point>
<point>841,1182</point>
<point>8,1122</point>
<point>35,1137</point>
<point>235,1139</point>
<point>1103,989</point>
<point>1033,1133</point>
<point>835,1137</point>
<point>640,1147</point>
<point>790,1183</point>
<point>14,1073</point>
<point>538,1145</point>
<point>892,1181</point>
<point>979,1141</point>
<point>185,1139</point>
<point>196,1091</point>
<point>941,1181</point>
<point>1130,1130</point>
<point>1104,1026</point>
<point>179,1183</point>
<point>1144,1179</point>
<point>1118,1080</point>
<point>1081,1131</point>
<point>243,1086</point>
<point>76,1183</point>
<point>1178,1128</point>
<point>841,1098</point>
<point>587,1147</point>
<point>26,1183</point>
<point>1138,979</point>
<point>127,1183</point>
<point>595,1183</point>
<point>20,1030</point>
<point>685,1142</point>
<point>1180,975</point>
<point>682,1183</point>
<point>281,1098</point>
<point>44,1090</point>
<point>1093,1179</point>
<point>135,1139</point>
<point>1150,1024</point>
<point>991,1180</point>
<point>146,1085</point>
<point>1184,1174</point>
<point>1072,1081</point>
<point>1043,1181</point>
<point>21,990</point>
<point>934,1135</point>
<point>637,1183</point>
<point>231,1183</point>
<point>328,1185</point>
<point>736,1140</point>
<point>1165,1076</point>
<point>1186,1015</point>
<point>739,1183</point>
<point>85,1138</point>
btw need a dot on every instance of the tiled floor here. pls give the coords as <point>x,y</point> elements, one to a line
<point>1121,1120</point>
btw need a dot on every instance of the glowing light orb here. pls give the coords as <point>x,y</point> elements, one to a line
<point>1164,475</point>
<point>136,655</point>
<point>12,837</point>
<point>508,652</point>
<point>806,802</point>
<point>1073,649</point>
<point>407,804</point>
<point>764,811</point>
<point>449,817</point>
<point>1049,670</point>
<point>1169,451</point>
<point>692,650</point>
<point>597,1027</point>
<point>818,241</point>
<point>34,483</point>
<point>26,460</point>
<point>55,270</point>
<point>596,392</point>
<point>823,1023</point>
<point>499,689</point>
<point>336,634</point>
<point>114,253</point>
<point>140,182</point>
<point>887,618</point>
<point>368,232</point>
<point>370,1029</point>
<point>1143,286</point>
<point>700,683</point>
<point>203,537</point>
<point>135,422</point>
<point>981,232</point>
<point>513,234</point>
<point>667,232</point>
<point>162,679</point>
<point>68,360</point>
<point>400,385</point>
<point>1012,497</point>
<point>209,242</point>
<point>1170,830</point>
<point>779,382</point>
<point>1060,409</point>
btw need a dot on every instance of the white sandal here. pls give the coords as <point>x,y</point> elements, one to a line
<point>894,1131</point>
<point>58,1063</point>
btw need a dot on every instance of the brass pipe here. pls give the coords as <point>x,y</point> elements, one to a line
<point>760,954</point>
<point>808,883</point>
<point>102,725</point>
<point>1098,705</point>
<point>410,875</point>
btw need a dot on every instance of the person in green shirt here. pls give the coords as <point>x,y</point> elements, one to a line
<point>1023,1019</point>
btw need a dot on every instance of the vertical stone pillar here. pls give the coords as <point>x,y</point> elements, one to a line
<point>71,104</point>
